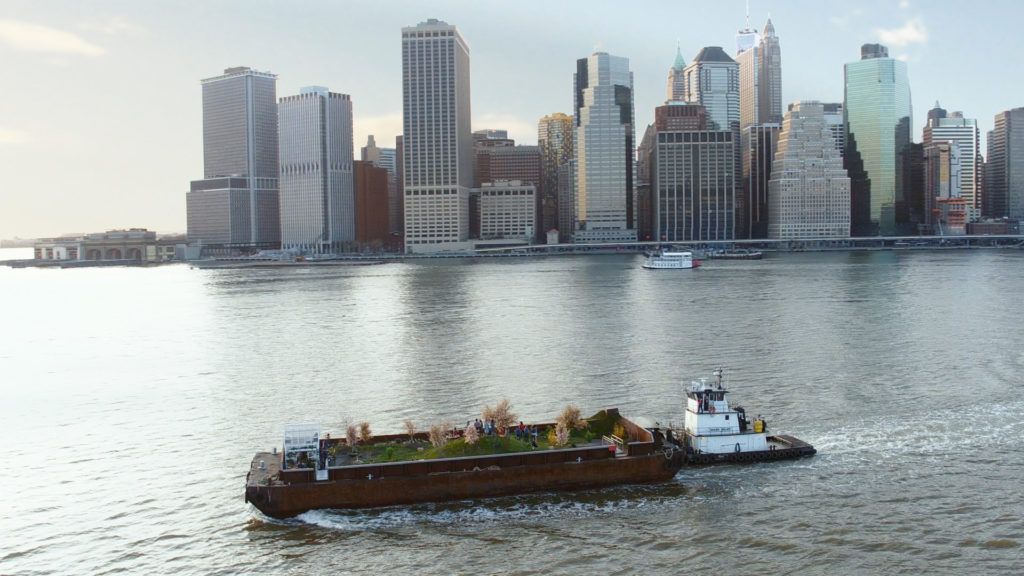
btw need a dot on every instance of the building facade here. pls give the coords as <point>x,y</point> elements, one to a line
<point>878,126</point>
<point>318,207</point>
<point>1004,171</point>
<point>694,188</point>
<point>555,140</point>
<point>136,244</point>
<point>759,142</point>
<point>508,211</point>
<point>387,158</point>
<point>713,80</point>
<point>371,205</point>
<point>809,191</point>
<point>437,140</point>
<point>944,205</point>
<point>239,150</point>
<point>943,127</point>
<point>605,143</point>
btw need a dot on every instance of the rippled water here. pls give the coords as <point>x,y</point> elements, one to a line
<point>133,400</point>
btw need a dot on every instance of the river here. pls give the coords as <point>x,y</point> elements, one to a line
<point>133,400</point>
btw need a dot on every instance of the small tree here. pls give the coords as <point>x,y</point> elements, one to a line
<point>471,435</point>
<point>364,432</point>
<point>351,436</point>
<point>572,418</point>
<point>439,434</point>
<point>561,434</point>
<point>410,429</point>
<point>502,416</point>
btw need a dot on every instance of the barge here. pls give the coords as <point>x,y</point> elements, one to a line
<point>314,472</point>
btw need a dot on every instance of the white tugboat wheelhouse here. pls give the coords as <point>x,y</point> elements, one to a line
<point>713,427</point>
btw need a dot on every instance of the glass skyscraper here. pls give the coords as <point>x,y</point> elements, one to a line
<point>605,143</point>
<point>878,126</point>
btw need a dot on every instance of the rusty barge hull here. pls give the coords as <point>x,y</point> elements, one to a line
<point>371,486</point>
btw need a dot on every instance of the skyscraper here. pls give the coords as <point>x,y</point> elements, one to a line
<point>317,189</point>
<point>438,145</point>
<point>944,211</point>
<point>758,142</point>
<point>605,205</point>
<point>769,100</point>
<point>694,189</point>
<point>555,139</point>
<point>809,191</point>
<point>235,206</point>
<point>878,126</point>
<point>836,123</point>
<point>712,80</point>
<point>675,85</point>
<point>1004,177</point>
<point>964,131</point>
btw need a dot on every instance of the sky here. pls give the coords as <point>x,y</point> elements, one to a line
<point>100,106</point>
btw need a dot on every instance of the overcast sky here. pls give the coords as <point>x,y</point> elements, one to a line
<point>100,115</point>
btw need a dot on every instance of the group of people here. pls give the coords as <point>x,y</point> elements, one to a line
<point>521,432</point>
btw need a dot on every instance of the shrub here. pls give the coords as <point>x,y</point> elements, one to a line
<point>471,435</point>
<point>364,432</point>
<point>552,437</point>
<point>351,435</point>
<point>410,429</point>
<point>619,430</point>
<point>502,414</point>
<point>561,434</point>
<point>438,434</point>
<point>571,418</point>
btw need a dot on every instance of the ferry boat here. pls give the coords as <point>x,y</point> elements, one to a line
<point>669,260</point>
<point>715,432</point>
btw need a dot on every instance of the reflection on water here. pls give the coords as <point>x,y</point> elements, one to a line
<point>133,400</point>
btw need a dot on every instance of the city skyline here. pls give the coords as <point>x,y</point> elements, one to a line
<point>144,124</point>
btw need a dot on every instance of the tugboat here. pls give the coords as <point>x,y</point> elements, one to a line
<point>668,260</point>
<point>715,432</point>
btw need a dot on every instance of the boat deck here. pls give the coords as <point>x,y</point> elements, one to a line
<point>264,469</point>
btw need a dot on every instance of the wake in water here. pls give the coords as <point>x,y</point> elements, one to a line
<point>504,509</point>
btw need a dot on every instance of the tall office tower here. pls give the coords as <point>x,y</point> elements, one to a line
<point>644,181</point>
<point>680,116</point>
<point>769,99</point>
<point>386,158</point>
<point>554,137</point>
<point>371,204</point>
<point>944,206</point>
<point>912,164</point>
<point>759,142</point>
<point>398,223</point>
<point>438,144</point>
<point>235,206</point>
<point>712,80</point>
<point>809,192</point>
<point>566,200</point>
<point>675,86</point>
<point>878,126</point>
<point>964,131</point>
<point>1004,182</point>
<point>604,207</point>
<point>694,189</point>
<point>317,191</point>
<point>836,123</point>
<point>495,163</point>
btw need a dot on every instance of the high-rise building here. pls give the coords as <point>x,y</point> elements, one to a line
<point>317,190</point>
<point>507,162</point>
<point>235,206</point>
<point>566,200</point>
<point>942,179</point>
<point>605,143</point>
<point>387,158</point>
<point>397,221</point>
<point>759,142</point>
<point>438,144</point>
<point>555,139</point>
<point>964,131</point>
<point>809,191</point>
<point>878,126</point>
<point>836,123</point>
<point>694,188</point>
<point>1004,171</point>
<point>712,80</point>
<point>371,204</point>
<point>677,116</point>
<point>675,85</point>
<point>769,85</point>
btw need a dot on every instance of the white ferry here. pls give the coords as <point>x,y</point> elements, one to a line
<point>667,260</point>
<point>716,432</point>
